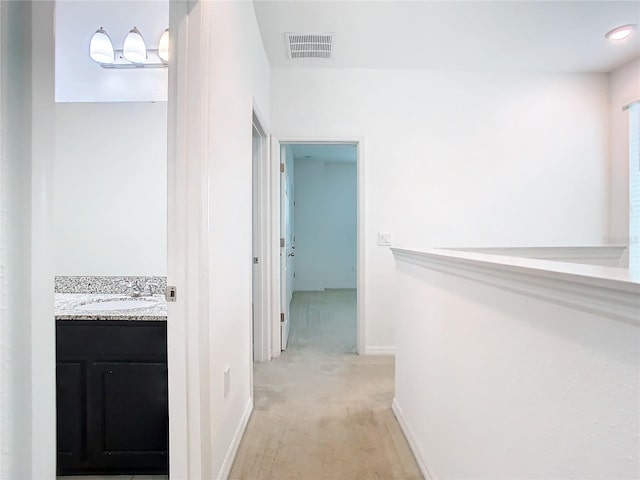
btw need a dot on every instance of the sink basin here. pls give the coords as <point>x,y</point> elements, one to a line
<point>124,304</point>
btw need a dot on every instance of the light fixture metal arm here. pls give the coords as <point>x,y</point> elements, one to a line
<point>153,61</point>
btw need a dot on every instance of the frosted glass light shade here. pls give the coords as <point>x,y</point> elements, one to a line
<point>134,48</point>
<point>163,46</point>
<point>101,48</point>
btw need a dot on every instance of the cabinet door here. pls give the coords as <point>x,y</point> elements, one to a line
<point>71,413</point>
<point>128,417</point>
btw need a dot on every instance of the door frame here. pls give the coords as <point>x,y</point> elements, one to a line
<point>41,271</point>
<point>188,343</point>
<point>276,145</point>
<point>189,439</point>
<point>187,254</point>
<point>184,410</point>
<point>262,335</point>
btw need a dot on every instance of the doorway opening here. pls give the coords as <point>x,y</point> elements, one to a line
<point>109,237</point>
<point>110,278</point>
<point>319,257</point>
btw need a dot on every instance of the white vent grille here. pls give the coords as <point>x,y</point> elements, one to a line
<point>309,45</point>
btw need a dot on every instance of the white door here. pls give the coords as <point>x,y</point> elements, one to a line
<point>287,242</point>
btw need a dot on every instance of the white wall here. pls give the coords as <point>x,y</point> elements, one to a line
<point>15,215</point>
<point>624,87</point>
<point>459,159</point>
<point>225,50</point>
<point>310,225</point>
<point>325,220</point>
<point>110,190</point>
<point>76,22</point>
<point>494,384</point>
<point>237,51</point>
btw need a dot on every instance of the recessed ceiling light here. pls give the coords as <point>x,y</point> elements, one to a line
<point>620,33</point>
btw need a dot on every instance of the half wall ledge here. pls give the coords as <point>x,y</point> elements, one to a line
<point>610,291</point>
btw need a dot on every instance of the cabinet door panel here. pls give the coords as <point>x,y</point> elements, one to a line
<point>112,397</point>
<point>130,412</point>
<point>71,412</point>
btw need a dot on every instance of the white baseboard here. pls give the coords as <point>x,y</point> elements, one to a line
<point>225,470</point>
<point>426,471</point>
<point>369,350</point>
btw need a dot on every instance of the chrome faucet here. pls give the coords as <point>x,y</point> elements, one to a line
<point>137,289</point>
<point>151,289</point>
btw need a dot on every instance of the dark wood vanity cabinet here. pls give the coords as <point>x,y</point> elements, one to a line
<point>112,407</point>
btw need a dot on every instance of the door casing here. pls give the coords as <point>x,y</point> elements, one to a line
<point>261,239</point>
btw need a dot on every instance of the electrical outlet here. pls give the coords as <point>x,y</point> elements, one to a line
<point>227,380</point>
<point>384,238</point>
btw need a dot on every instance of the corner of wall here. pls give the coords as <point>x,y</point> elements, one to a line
<point>623,87</point>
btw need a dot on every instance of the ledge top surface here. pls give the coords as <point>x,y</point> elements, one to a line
<point>602,276</point>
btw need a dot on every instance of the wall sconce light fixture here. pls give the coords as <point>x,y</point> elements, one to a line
<point>134,53</point>
<point>163,46</point>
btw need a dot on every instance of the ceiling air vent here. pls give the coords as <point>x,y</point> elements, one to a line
<point>309,45</point>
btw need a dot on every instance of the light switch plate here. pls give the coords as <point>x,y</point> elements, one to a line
<point>384,238</point>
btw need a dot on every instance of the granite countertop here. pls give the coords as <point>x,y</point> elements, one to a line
<point>71,306</point>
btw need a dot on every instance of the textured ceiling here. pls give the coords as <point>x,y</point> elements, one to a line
<point>544,36</point>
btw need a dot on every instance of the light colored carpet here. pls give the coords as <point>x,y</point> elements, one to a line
<point>322,412</point>
<point>323,322</point>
